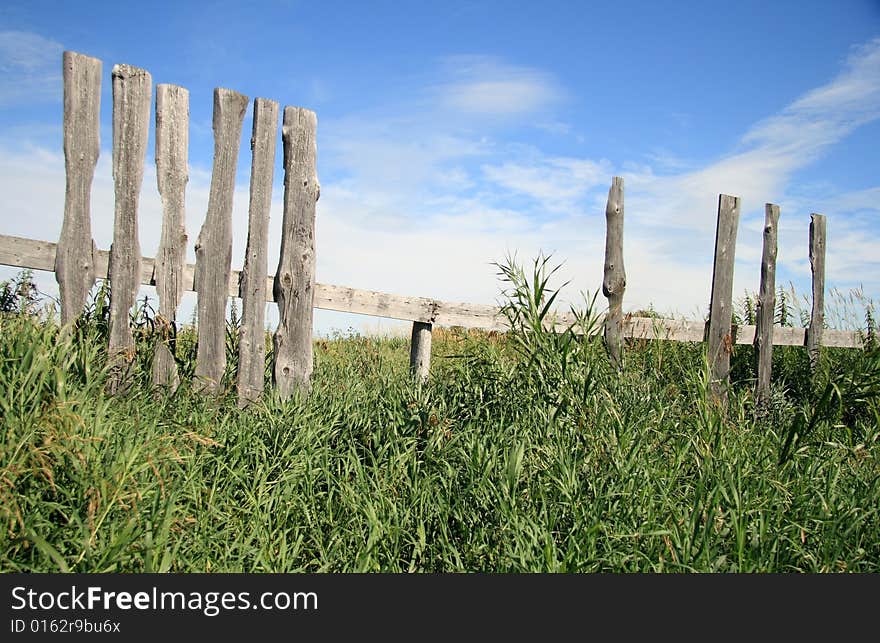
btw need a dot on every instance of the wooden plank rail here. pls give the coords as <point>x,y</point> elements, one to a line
<point>33,254</point>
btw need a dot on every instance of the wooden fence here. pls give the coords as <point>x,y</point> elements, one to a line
<point>76,261</point>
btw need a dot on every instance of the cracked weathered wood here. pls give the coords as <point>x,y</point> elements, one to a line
<point>132,90</point>
<point>420,352</point>
<point>614,278</point>
<point>766,306</point>
<point>172,174</point>
<point>252,344</point>
<point>214,245</point>
<point>720,339</point>
<point>74,261</point>
<point>295,278</point>
<point>817,265</point>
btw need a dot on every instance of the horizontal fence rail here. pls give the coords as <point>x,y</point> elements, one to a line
<point>40,255</point>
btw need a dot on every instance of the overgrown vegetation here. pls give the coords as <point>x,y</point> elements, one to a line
<point>525,452</point>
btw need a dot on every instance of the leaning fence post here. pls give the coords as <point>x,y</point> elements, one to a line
<point>766,306</point>
<point>817,265</point>
<point>74,258</point>
<point>172,173</point>
<point>132,89</point>
<point>614,281</point>
<point>214,245</point>
<point>721,307</point>
<point>420,351</point>
<point>294,287</point>
<point>252,287</point>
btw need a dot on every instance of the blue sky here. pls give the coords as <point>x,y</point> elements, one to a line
<point>452,133</point>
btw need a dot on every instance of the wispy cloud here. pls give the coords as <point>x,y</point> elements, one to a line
<point>482,85</point>
<point>30,68</point>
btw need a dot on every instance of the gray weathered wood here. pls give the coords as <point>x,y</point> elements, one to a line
<point>817,264</point>
<point>614,279</point>
<point>720,338</point>
<point>172,174</point>
<point>40,255</point>
<point>132,89</point>
<point>74,263</point>
<point>766,307</point>
<point>252,344</point>
<point>295,278</point>
<point>214,245</point>
<point>420,352</point>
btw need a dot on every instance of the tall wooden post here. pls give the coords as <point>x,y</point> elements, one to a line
<point>766,306</point>
<point>214,245</point>
<point>252,342</point>
<point>720,339</point>
<point>817,264</point>
<point>172,174</point>
<point>132,92</point>
<point>614,281</point>
<point>74,259</point>
<point>295,278</point>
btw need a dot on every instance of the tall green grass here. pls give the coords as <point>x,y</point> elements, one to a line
<point>525,452</point>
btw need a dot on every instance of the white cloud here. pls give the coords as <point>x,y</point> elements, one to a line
<point>30,68</point>
<point>483,85</point>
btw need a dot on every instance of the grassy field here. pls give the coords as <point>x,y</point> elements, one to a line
<point>525,452</point>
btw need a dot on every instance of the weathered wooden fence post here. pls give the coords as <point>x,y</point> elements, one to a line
<point>252,288</point>
<point>817,265</point>
<point>614,280</point>
<point>719,338</point>
<point>132,92</point>
<point>420,351</point>
<point>74,258</point>
<point>766,306</point>
<point>214,245</point>
<point>294,287</point>
<point>172,174</point>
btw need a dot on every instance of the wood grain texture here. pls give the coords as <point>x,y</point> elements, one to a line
<point>614,275</point>
<point>172,174</point>
<point>214,245</point>
<point>253,285</point>
<point>420,352</point>
<point>817,265</point>
<point>295,278</point>
<point>766,306</point>
<point>40,255</point>
<point>719,335</point>
<point>74,263</point>
<point>132,92</point>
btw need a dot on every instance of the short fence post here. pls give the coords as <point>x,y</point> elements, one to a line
<point>294,286</point>
<point>420,351</point>
<point>766,306</point>
<point>614,281</point>
<point>214,245</point>
<point>720,339</point>
<point>252,288</point>
<point>132,90</point>
<point>817,265</point>
<point>172,174</point>
<point>74,258</point>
